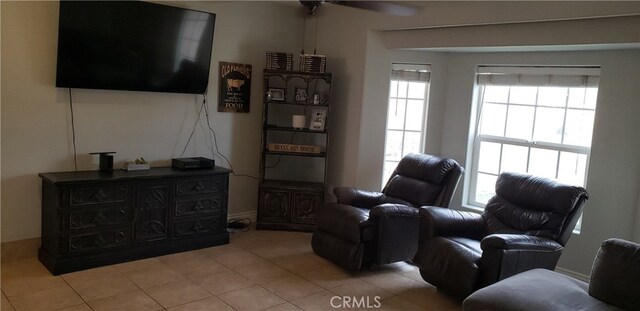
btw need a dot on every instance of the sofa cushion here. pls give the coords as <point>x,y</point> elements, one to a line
<point>537,289</point>
<point>615,276</point>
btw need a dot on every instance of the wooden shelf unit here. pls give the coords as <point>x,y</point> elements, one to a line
<point>291,204</point>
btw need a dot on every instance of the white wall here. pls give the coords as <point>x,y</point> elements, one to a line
<point>36,133</point>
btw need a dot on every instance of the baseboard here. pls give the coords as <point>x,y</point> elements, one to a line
<point>573,274</point>
<point>20,249</point>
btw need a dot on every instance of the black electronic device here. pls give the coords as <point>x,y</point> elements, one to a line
<point>193,163</point>
<point>135,46</point>
<point>106,161</point>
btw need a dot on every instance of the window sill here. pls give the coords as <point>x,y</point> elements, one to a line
<point>472,208</point>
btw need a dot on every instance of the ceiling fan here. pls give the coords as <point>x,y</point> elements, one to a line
<point>378,6</point>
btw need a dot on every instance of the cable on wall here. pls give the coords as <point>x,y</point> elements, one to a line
<point>215,141</point>
<point>192,131</point>
<point>73,132</point>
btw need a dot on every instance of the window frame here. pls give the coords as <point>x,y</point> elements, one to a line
<point>425,105</point>
<point>476,139</point>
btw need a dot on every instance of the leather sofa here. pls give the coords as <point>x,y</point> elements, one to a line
<point>367,227</point>
<point>524,226</point>
<point>614,285</point>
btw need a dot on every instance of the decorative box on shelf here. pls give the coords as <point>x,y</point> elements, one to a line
<point>132,166</point>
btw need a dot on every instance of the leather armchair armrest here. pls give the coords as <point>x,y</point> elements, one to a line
<point>358,198</point>
<point>393,210</point>
<point>438,221</point>
<point>504,255</point>
<point>519,242</point>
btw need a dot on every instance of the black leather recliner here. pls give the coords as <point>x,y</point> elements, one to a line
<point>366,227</point>
<point>524,226</point>
<point>613,286</point>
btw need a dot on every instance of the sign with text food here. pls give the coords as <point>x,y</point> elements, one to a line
<point>235,87</point>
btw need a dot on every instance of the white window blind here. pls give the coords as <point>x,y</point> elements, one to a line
<point>539,76</point>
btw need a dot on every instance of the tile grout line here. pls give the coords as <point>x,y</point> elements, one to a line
<point>74,290</point>
<point>142,290</point>
<point>9,301</point>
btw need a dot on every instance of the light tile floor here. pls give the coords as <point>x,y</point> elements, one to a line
<point>258,270</point>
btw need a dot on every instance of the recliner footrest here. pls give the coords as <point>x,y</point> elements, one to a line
<point>342,252</point>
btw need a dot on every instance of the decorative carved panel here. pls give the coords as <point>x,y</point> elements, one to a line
<point>96,218</point>
<point>207,185</point>
<point>150,220</point>
<point>304,207</point>
<point>89,242</point>
<point>191,207</point>
<point>198,226</point>
<point>274,205</point>
<point>98,195</point>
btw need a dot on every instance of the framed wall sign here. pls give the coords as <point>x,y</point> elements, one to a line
<point>318,117</point>
<point>235,87</point>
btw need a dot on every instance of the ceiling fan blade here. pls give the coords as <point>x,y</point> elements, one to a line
<point>311,5</point>
<point>380,6</point>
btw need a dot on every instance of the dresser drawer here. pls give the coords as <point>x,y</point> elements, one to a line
<point>97,217</point>
<point>196,226</point>
<point>199,206</point>
<point>205,185</point>
<point>97,241</point>
<point>97,195</point>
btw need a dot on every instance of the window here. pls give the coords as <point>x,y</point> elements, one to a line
<point>406,114</point>
<point>532,120</point>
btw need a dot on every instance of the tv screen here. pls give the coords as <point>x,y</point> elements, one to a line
<point>136,46</point>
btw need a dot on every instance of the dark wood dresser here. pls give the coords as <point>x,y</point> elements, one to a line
<point>90,218</point>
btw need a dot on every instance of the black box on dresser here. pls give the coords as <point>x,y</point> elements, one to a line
<point>91,219</point>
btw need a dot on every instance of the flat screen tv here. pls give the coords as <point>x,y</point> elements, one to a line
<point>135,46</point>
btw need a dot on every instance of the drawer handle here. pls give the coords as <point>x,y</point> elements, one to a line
<point>198,207</point>
<point>120,237</point>
<point>98,219</point>
<point>198,187</point>
<point>99,195</point>
<point>197,227</point>
<point>98,241</point>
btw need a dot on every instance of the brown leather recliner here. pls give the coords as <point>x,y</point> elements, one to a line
<point>366,227</point>
<point>524,226</point>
